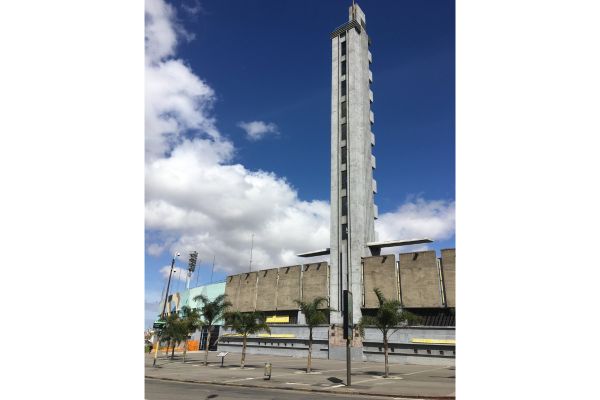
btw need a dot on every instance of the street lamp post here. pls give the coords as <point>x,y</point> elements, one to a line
<point>162,315</point>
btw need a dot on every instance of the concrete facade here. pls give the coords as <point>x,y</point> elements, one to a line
<point>247,293</point>
<point>352,208</point>
<point>315,281</point>
<point>266,289</point>
<point>288,287</point>
<point>449,276</point>
<point>420,280</point>
<point>276,289</point>
<point>232,288</point>
<point>403,350</point>
<point>379,272</point>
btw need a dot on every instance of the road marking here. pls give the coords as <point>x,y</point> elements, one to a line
<point>240,379</point>
<point>427,370</point>
<point>321,372</point>
<point>297,383</point>
<point>242,369</point>
<point>381,378</point>
<point>308,373</point>
<point>337,386</point>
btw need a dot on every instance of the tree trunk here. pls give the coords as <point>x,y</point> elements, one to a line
<point>207,346</point>
<point>310,338</point>
<point>243,353</point>
<point>167,349</point>
<point>184,348</point>
<point>173,351</point>
<point>385,351</point>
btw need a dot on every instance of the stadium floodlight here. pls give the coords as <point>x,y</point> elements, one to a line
<point>192,262</point>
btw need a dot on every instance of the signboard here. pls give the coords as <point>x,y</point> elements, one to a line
<point>278,319</point>
<point>347,311</point>
<point>159,324</point>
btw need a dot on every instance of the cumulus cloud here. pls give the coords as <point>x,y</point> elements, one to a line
<point>418,218</point>
<point>256,130</point>
<point>198,198</point>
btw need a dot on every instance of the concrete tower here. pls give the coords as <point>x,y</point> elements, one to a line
<point>353,211</point>
<point>352,163</point>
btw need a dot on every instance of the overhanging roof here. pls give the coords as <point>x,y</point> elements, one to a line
<point>315,253</point>
<point>377,245</point>
<point>394,243</point>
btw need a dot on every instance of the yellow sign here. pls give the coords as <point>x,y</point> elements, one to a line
<point>275,319</point>
<point>277,335</point>
<point>265,335</point>
<point>434,341</point>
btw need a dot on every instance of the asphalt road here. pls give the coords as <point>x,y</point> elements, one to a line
<point>164,390</point>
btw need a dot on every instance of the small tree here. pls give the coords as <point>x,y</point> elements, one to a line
<point>191,322</point>
<point>211,311</point>
<point>389,317</point>
<point>175,331</point>
<point>246,324</point>
<point>315,315</point>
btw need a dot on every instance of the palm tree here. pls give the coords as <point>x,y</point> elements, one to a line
<point>388,318</point>
<point>174,331</point>
<point>191,322</point>
<point>211,311</point>
<point>246,324</point>
<point>315,315</point>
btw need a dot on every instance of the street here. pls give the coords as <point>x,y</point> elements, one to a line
<point>164,390</point>
<point>288,374</point>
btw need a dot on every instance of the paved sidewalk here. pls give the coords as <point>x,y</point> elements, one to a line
<point>290,373</point>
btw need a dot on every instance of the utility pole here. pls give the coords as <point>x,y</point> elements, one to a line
<point>162,315</point>
<point>212,270</point>
<point>198,273</point>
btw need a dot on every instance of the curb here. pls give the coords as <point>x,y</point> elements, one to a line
<point>346,392</point>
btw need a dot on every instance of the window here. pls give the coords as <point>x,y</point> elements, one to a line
<point>344,231</point>
<point>344,205</point>
<point>343,109</point>
<point>344,179</point>
<point>343,48</point>
<point>343,67</point>
<point>343,88</point>
<point>344,155</point>
<point>344,131</point>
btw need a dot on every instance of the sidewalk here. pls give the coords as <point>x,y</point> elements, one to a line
<point>290,373</point>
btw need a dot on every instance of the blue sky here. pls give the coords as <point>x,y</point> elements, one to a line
<point>215,67</point>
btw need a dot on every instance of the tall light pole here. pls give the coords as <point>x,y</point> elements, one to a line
<point>191,267</point>
<point>162,315</point>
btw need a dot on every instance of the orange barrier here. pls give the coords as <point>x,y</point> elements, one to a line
<point>193,345</point>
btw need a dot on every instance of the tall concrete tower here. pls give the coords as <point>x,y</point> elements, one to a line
<point>352,163</point>
<point>353,210</point>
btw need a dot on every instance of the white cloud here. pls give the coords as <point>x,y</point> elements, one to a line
<point>256,130</point>
<point>197,198</point>
<point>418,218</point>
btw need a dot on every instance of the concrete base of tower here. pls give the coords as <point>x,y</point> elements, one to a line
<point>339,353</point>
<point>337,345</point>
